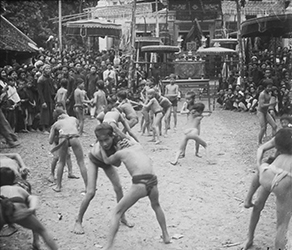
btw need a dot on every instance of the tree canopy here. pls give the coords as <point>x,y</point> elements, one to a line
<point>33,17</point>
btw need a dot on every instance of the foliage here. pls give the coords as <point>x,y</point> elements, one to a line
<point>33,17</point>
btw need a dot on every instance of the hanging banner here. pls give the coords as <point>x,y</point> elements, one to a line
<point>200,9</point>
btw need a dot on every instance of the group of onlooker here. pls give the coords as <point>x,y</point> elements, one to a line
<point>241,93</point>
<point>28,90</point>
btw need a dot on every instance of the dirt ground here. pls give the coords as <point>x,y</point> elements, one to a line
<point>203,203</point>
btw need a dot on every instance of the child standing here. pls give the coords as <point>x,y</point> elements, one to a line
<point>195,117</point>
<point>80,100</point>
<point>99,100</point>
<point>165,103</point>
<point>172,93</point>
<point>144,181</point>
<point>157,110</point>
<point>61,95</point>
<point>66,128</point>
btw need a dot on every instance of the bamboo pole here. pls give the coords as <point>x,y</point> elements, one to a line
<point>131,75</point>
<point>60,27</point>
<point>239,37</point>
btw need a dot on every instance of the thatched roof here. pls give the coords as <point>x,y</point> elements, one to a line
<point>12,39</point>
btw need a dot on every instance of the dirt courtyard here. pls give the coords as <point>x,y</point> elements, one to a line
<point>203,203</point>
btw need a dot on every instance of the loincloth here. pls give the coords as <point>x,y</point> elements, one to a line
<point>280,174</point>
<point>149,180</point>
<point>63,139</point>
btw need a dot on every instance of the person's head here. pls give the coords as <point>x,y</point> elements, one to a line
<point>57,113</point>
<point>109,66</point>
<point>197,108</point>
<point>190,96</point>
<point>151,93</point>
<point>78,67</point>
<point>65,70</point>
<point>64,82</point>
<point>72,72</point>
<point>105,135</point>
<point>93,69</point>
<point>172,78</point>
<point>122,95</point>
<point>100,84</point>
<point>7,176</point>
<point>268,84</point>
<point>47,69</point>
<point>286,121</point>
<point>13,74</point>
<point>3,74</point>
<point>283,140</point>
<point>80,83</point>
<point>268,72</point>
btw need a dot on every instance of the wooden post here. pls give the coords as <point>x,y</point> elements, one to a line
<point>239,38</point>
<point>60,27</point>
<point>131,74</point>
<point>157,18</point>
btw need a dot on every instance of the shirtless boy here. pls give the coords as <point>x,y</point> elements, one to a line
<point>99,99</point>
<point>95,162</point>
<point>165,103</point>
<point>157,110</point>
<point>172,93</point>
<point>263,194</point>
<point>66,127</point>
<point>126,107</point>
<point>112,116</point>
<point>56,159</point>
<point>61,95</point>
<point>23,210</point>
<point>275,178</point>
<point>139,166</point>
<point>80,100</point>
<point>194,117</point>
<point>263,114</point>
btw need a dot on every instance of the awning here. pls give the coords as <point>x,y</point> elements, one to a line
<point>12,39</point>
<point>160,48</point>
<point>271,26</point>
<point>94,27</point>
<point>147,41</point>
<point>215,51</point>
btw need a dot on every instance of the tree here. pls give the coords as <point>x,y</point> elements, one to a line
<point>32,17</point>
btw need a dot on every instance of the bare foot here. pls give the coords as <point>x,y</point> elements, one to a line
<point>196,154</point>
<point>72,176</point>
<point>51,179</point>
<point>126,223</point>
<point>57,189</point>
<point>78,229</point>
<point>248,204</point>
<point>247,244</point>
<point>166,238</point>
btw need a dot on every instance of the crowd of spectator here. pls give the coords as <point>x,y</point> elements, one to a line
<point>28,90</point>
<point>241,93</point>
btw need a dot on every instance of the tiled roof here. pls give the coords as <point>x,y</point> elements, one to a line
<point>12,39</point>
<point>253,8</point>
